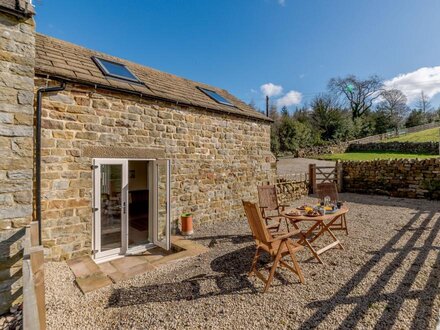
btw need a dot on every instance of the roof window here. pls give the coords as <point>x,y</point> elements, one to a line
<point>215,96</point>
<point>115,70</point>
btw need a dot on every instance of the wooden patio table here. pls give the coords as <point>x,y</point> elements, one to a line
<point>323,223</point>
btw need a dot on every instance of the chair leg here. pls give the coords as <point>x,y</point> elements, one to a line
<point>254,261</point>
<point>295,264</point>
<point>272,270</point>
<point>345,224</point>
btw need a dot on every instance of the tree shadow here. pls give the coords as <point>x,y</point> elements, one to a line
<point>234,239</point>
<point>376,293</point>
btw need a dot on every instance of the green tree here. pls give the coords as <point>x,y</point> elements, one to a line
<point>294,135</point>
<point>328,118</point>
<point>415,118</point>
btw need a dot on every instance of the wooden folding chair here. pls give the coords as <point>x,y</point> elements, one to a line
<point>277,245</point>
<point>330,189</point>
<point>270,208</point>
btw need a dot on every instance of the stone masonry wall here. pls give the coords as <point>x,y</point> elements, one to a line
<point>336,148</point>
<point>289,190</point>
<point>17,56</point>
<point>217,160</point>
<point>429,148</point>
<point>398,178</point>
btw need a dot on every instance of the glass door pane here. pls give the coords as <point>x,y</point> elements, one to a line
<point>111,207</point>
<point>162,203</point>
<point>110,211</point>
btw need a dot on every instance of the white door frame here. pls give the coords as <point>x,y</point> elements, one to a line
<point>96,228</point>
<point>165,244</point>
<point>96,244</point>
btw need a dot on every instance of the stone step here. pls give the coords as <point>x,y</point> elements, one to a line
<point>89,276</point>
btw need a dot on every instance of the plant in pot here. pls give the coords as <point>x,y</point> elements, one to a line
<point>187,224</point>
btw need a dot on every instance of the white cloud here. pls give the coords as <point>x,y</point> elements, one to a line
<point>270,89</point>
<point>282,2</point>
<point>425,79</point>
<point>291,98</point>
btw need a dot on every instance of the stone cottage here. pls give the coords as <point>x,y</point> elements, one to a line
<point>120,152</point>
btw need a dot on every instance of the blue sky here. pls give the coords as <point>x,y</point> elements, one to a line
<point>240,45</point>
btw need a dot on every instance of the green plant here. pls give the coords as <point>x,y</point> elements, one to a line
<point>185,215</point>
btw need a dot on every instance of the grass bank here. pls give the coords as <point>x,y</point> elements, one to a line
<point>428,135</point>
<point>373,155</point>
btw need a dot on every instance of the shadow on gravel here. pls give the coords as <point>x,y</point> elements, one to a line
<point>234,239</point>
<point>376,294</point>
<point>232,278</point>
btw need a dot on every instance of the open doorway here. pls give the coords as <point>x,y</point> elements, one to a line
<point>139,201</point>
<point>131,206</point>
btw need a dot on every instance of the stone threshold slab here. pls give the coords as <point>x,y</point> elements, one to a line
<point>90,276</point>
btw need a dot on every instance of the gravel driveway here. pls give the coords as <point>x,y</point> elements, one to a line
<point>299,165</point>
<point>387,277</point>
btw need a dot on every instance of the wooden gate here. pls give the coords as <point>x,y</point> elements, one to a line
<point>321,174</point>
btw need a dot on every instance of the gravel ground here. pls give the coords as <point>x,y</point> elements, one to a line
<point>387,277</point>
<point>299,165</point>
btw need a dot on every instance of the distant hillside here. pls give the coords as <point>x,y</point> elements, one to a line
<point>428,135</point>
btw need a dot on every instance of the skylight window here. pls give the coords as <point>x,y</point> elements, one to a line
<point>216,97</point>
<point>115,69</point>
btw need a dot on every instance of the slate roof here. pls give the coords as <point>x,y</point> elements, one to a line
<point>20,8</point>
<point>63,60</point>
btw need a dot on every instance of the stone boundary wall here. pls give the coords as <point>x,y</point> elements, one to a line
<point>430,148</point>
<point>338,148</point>
<point>410,178</point>
<point>292,188</point>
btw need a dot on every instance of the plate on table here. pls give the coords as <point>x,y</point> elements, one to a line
<point>331,211</point>
<point>292,213</point>
<point>312,215</point>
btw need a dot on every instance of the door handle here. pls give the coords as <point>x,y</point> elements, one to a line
<point>124,209</point>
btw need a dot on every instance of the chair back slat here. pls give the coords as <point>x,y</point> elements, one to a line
<point>256,222</point>
<point>327,189</point>
<point>267,197</point>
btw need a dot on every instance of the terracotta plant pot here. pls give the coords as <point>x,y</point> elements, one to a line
<point>187,224</point>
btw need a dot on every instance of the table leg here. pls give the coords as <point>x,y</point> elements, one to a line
<point>304,241</point>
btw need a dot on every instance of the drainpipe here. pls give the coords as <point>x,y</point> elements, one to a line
<point>40,93</point>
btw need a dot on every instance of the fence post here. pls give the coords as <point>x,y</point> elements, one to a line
<point>339,175</point>
<point>312,177</point>
<point>34,310</point>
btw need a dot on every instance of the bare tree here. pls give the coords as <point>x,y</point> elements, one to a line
<point>423,103</point>
<point>358,94</point>
<point>394,106</point>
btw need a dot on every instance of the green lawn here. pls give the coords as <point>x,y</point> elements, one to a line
<point>428,135</point>
<point>371,156</point>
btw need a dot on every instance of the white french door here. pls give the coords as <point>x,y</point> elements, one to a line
<point>161,202</point>
<point>111,206</point>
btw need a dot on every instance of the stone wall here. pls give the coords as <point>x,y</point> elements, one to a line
<point>337,148</point>
<point>17,58</point>
<point>289,190</point>
<point>398,178</point>
<point>217,160</point>
<point>429,148</point>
